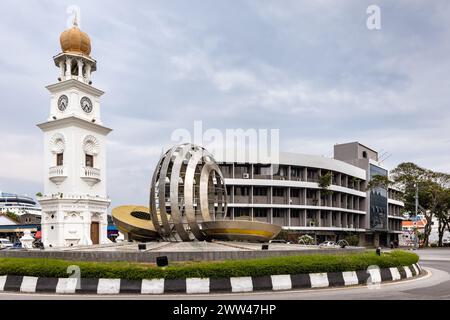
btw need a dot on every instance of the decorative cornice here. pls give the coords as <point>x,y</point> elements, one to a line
<point>74,121</point>
<point>72,83</point>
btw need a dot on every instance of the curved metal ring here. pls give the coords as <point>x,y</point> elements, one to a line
<point>177,217</point>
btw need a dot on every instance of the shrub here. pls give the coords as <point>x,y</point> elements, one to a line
<point>231,268</point>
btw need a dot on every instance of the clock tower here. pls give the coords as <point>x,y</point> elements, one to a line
<point>74,202</point>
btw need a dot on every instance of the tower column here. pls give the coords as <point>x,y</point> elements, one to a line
<point>80,69</point>
<point>68,67</point>
<point>61,68</point>
<point>88,72</point>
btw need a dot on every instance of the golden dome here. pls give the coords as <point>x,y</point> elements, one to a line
<point>75,40</point>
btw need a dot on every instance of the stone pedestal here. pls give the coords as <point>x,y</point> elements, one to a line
<point>27,240</point>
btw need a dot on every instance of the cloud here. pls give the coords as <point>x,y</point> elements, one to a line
<point>308,68</point>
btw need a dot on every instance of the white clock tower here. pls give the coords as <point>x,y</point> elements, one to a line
<point>74,202</point>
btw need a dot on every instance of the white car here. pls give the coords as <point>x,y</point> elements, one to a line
<point>5,243</point>
<point>328,244</point>
<point>279,241</point>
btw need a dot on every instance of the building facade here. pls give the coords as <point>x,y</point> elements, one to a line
<point>289,194</point>
<point>74,202</point>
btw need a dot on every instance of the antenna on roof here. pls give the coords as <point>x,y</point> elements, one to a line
<point>385,156</point>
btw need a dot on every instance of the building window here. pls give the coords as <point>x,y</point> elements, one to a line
<point>278,213</point>
<point>295,193</point>
<point>311,194</point>
<point>295,214</point>
<point>258,191</point>
<point>260,213</point>
<point>241,191</point>
<point>241,212</point>
<point>262,170</point>
<point>89,161</point>
<point>296,172</point>
<point>59,159</point>
<point>364,154</point>
<point>278,192</point>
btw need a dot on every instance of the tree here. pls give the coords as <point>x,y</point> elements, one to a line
<point>12,216</point>
<point>325,182</point>
<point>378,181</point>
<point>433,193</point>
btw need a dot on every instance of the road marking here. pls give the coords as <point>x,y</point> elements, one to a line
<point>350,278</point>
<point>28,284</point>
<point>197,285</point>
<point>108,286</point>
<point>428,274</point>
<point>2,282</point>
<point>241,284</point>
<point>319,280</point>
<point>281,282</point>
<point>154,286</point>
<point>395,274</point>
<point>408,272</point>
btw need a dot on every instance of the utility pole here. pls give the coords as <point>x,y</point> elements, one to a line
<point>417,198</point>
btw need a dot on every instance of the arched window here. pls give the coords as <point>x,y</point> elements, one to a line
<point>57,145</point>
<point>91,148</point>
<point>60,159</point>
<point>89,160</point>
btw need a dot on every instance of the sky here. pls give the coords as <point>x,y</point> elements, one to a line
<point>311,69</point>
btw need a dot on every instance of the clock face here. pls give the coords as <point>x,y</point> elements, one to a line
<point>63,102</point>
<point>86,104</point>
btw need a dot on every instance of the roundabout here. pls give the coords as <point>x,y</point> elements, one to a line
<point>434,284</point>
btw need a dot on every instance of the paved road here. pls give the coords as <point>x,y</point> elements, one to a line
<point>435,285</point>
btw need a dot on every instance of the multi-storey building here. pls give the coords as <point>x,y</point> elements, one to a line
<point>18,204</point>
<point>289,194</point>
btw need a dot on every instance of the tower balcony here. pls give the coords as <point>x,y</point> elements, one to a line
<point>90,175</point>
<point>57,174</point>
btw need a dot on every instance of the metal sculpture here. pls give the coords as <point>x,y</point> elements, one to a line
<point>187,189</point>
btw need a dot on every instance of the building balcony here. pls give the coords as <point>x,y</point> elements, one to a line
<point>57,174</point>
<point>90,175</point>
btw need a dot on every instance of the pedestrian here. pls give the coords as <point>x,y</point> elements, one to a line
<point>392,245</point>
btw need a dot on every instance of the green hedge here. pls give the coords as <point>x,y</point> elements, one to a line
<point>231,268</point>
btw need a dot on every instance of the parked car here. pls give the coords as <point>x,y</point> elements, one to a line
<point>5,243</point>
<point>328,244</point>
<point>16,246</point>
<point>279,241</point>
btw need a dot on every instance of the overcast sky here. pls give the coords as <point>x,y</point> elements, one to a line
<point>309,68</point>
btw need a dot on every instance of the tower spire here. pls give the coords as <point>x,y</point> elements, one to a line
<point>75,19</point>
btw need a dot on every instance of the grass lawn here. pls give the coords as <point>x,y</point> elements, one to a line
<point>213,269</point>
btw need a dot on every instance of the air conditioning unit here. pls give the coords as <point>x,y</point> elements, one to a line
<point>245,175</point>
